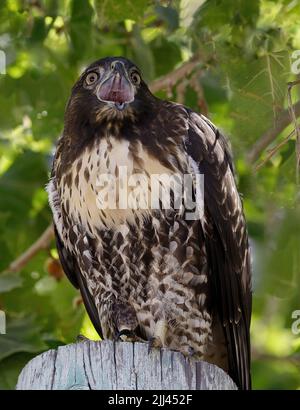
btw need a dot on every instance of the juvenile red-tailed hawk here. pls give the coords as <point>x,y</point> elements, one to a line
<point>145,272</point>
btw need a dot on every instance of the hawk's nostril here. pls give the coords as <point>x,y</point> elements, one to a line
<point>117,66</point>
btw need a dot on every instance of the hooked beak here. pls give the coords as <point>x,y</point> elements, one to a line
<point>117,88</point>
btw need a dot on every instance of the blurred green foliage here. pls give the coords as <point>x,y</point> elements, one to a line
<point>244,51</point>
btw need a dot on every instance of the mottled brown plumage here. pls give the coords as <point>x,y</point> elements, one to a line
<point>152,274</point>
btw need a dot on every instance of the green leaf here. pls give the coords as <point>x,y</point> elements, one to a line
<point>39,31</point>
<point>287,152</point>
<point>22,335</point>
<point>215,13</point>
<point>80,27</point>
<point>115,11</point>
<point>9,281</point>
<point>160,48</point>
<point>19,183</point>
<point>69,316</point>
<point>52,7</point>
<point>169,15</point>
<point>17,188</point>
<point>275,374</point>
<point>141,54</point>
<point>281,262</point>
<point>10,368</point>
<point>45,285</point>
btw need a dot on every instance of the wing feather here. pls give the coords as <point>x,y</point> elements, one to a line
<point>67,259</point>
<point>226,241</point>
<point>72,271</point>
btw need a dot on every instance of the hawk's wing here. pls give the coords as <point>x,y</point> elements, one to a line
<point>67,259</point>
<point>72,271</point>
<point>226,242</point>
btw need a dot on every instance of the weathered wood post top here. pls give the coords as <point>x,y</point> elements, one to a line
<point>106,365</point>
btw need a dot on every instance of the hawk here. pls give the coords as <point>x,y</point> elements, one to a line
<point>151,273</point>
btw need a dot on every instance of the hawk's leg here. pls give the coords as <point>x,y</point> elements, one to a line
<point>126,323</point>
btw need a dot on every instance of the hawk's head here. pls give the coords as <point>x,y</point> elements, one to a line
<point>109,89</point>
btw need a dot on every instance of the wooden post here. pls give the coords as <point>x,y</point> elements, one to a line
<point>107,365</point>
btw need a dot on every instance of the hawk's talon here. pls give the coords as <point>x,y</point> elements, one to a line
<point>150,344</point>
<point>154,342</point>
<point>191,351</point>
<point>125,332</point>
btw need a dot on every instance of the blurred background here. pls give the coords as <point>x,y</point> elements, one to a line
<point>229,59</point>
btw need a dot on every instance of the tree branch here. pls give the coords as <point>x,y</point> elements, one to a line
<point>274,151</point>
<point>170,79</point>
<point>43,242</point>
<point>296,127</point>
<point>269,136</point>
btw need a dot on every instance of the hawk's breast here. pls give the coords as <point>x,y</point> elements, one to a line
<point>110,184</point>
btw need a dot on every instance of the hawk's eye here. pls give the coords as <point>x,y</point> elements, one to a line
<point>135,78</point>
<point>91,78</point>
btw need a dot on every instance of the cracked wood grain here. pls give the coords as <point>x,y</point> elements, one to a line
<point>107,365</point>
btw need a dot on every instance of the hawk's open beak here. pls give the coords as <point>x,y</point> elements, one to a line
<point>117,88</point>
